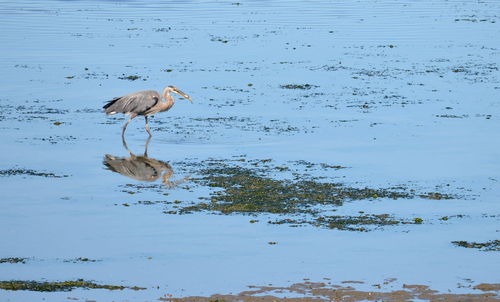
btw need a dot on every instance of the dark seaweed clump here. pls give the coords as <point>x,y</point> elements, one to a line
<point>130,77</point>
<point>298,86</point>
<point>359,223</point>
<point>28,172</point>
<point>80,259</point>
<point>436,196</point>
<point>13,260</point>
<point>493,245</point>
<point>58,286</point>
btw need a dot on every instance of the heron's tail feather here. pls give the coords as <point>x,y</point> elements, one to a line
<point>108,107</point>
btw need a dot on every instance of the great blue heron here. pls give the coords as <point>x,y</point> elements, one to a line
<point>145,103</point>
<point>142,168</point>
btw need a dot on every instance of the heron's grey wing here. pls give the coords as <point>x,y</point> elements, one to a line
<point>137,102</point>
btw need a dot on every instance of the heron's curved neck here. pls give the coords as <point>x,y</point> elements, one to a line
<point>169,101</point>
<point>169,98</point>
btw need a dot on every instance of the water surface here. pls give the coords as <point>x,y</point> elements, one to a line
<point>400,95</point>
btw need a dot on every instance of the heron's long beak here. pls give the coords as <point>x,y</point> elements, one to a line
<point>187,97</point>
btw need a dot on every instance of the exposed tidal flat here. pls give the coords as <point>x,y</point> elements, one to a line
<point>335,150</point>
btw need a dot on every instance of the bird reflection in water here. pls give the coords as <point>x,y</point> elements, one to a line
<point>142,168</point>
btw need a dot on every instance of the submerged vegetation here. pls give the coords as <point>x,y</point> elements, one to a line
<point>362,223</point>
<point>28,172</point>
<point>130,77</point>
<point>493,245</point>
<point>298,86</point>
<point>246,191</point>
<point>255,187</point>
<point>436,196</point>
<point>13,260</point>
<point>80,259</point>
<point>59,286</point>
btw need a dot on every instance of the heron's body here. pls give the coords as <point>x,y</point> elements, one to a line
<point>144,103</point>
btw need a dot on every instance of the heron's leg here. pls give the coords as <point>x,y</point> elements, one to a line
<point>147,126</point>
<point>146,147</point>
<point>126,124</point>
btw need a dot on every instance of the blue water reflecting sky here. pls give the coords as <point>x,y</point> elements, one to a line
<point>403,93</point>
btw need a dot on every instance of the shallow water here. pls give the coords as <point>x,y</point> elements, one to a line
<point>402,93</point>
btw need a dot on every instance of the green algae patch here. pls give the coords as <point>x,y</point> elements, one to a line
<point>244,190</point>
<point>13,260</point>
<point>255,187</point>
<point>418,220</point>
<point>436,196</point>
<point>59,286</point>
<point>358,223</point>
<point>295,193</point>
<point>493,245</point>
<point>362,223</point>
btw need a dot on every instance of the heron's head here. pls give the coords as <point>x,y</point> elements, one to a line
<point>178,91</point>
